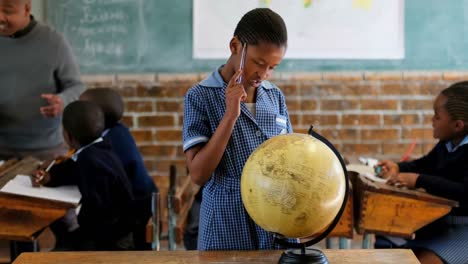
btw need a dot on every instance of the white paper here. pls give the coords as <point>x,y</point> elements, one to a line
<point>332,29</point>
<point>366,171</point>
<point>21,185</point>
<point>1,162</point>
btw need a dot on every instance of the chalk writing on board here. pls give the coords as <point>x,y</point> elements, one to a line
<point>108,33</point>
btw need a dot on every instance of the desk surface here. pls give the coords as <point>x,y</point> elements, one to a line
<point>359,256</point>
<point>21,217</point>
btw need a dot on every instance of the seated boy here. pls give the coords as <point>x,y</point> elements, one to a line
<point>124,146</point>
<point>105,218</point>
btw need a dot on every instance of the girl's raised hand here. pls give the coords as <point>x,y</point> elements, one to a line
<point>235,94</point>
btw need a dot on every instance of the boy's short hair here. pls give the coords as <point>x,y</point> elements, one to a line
<point>110,102</point>
<point>84,121</point>
<point>262,24</point>
<point>457,101</point>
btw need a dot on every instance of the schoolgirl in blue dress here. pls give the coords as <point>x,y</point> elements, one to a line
<point>226,117</point>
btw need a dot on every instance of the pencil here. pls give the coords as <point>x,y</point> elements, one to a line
<point>50,166</point>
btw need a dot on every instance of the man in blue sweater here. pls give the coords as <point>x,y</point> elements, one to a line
<point>38,78</point>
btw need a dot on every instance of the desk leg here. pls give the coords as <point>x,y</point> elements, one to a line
<point>344,243</point>
<point>18,247</point>
<point>366,240</point>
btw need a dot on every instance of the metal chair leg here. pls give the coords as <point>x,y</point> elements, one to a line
<point>155,212</point>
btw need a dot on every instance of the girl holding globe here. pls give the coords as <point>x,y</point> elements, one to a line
<point>442,172</point>
<point>226,117</point>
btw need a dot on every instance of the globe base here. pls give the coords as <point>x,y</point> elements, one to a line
<point>303,256</point>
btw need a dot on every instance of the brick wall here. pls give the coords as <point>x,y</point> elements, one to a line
<point>374,114</point>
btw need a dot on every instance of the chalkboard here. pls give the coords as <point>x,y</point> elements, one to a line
<point>135,36</point>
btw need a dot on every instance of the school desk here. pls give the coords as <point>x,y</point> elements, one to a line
<point>388,210</point>
<point>7,164</point>
<point>356,256</point>
<point>23,218</point>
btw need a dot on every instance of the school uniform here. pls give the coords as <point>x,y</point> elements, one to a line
<point>143,186</point>
<point>444,172</point>
<point>105,218</point>
<point>224,222</point>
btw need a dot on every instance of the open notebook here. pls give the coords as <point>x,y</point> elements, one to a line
<point>21,185</point>
<point>366,171</point>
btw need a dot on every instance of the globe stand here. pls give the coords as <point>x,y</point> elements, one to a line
<point>303,256</point>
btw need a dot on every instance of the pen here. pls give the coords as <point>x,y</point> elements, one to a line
<point>50,166</point>
<point>242,62</point>
<point>378,170</point>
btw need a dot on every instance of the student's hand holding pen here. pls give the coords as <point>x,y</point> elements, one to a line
<point>42,175</point>
<point>235,94</point>
<point>386,169</point>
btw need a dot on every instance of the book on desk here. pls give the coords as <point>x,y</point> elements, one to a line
<point>21,185</point>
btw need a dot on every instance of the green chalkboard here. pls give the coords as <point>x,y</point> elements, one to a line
<point>135,36</point>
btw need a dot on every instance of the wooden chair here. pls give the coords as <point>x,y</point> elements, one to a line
<point>173,217</point>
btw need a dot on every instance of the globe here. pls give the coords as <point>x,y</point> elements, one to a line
<point>293,185</point>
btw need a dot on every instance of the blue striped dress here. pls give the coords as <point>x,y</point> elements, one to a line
<point>224,222</point>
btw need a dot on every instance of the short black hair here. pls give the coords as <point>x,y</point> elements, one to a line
<point>262,24</point>
<point>84,121</point>
<point>110,102</point>
<point>457,101</point>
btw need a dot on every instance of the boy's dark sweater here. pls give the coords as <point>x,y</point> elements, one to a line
<point>444,174</point>
<point>106,192</point>
<point>125,148</point>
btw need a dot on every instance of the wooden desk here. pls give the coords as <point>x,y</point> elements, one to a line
<point>388,210</point>
<point>7,164</point>
<point>23,218</point>
<point>382,256</point>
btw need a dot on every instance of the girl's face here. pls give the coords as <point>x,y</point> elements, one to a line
<point>260,61</point>
<point>443,126</point>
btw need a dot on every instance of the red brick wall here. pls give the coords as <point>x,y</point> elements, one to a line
<point>374,114</point>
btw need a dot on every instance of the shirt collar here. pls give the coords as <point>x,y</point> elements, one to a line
<point>450,147</point>
<point>105,132</point>
<point>215,80</point>
<point>74,157</point>
<point>26,30</point>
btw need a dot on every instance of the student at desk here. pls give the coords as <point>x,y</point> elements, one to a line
<point>126,149</point>
<point>442,172</point>
<point>106,217</point>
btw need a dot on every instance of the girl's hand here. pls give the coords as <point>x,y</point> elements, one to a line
<point>404,180</point>
<point>388,169</point>
<point>235,94</point>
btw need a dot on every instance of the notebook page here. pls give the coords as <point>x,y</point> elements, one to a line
<point>21,185</point>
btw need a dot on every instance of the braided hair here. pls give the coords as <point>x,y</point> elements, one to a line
<point>262,24</point>
<point>457,102</point>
